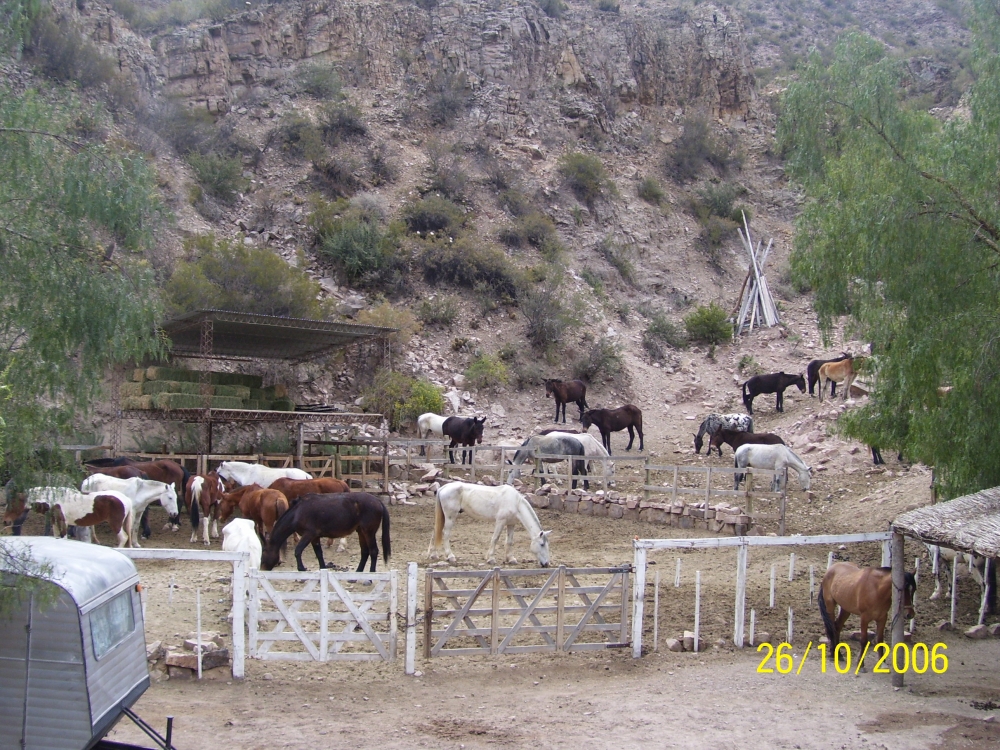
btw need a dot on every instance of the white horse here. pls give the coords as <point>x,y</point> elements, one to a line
<point>592,447</point>
<point>239,535</point>
<point>552,444</point>
<point>243,473</point>
<point>73,508</point>
<point>774,457</point>
<point>142,492</point>
<point>502,504</point>
<point>942,557</point>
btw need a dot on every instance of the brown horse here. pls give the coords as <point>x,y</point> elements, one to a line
<point>843,371</point>
<point>866,592</point>
<point>203,495</point>
<point>293,489</point>
<point>262,506</point>
<point>337,515</point>
<point>162,470</point>
<point>565,391</point>
<point>735,438</point>
<point>626,417</point>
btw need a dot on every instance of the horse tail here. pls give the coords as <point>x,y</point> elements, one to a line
<point>195,503</point>
<point>831,632</point>
<point>438,521</point>
<point>185,478</point>
<point>386,542</point>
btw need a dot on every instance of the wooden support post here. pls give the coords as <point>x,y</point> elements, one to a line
<point>300,438</point>
<point>708,491</point>
<point>647,483</point>
<point>773,570</point>
<point>324,614</point>
<point>495,617</point>
<point>986,590</point>
<point>428,611</point>
<point>239,612</point>
<point>791,566</point>
<point>656,610</point>
<point>886,555</point>
<point>954,588</point>
<point>791,622</point>
<point>638,597</point>
<point>385,467</point>
<point>677,574</point>
<point>697,610</point>
<point>898,582</point>
<point>411,619</point>
<point>197,605</point>
<point>741,594</point>
<point>753,625</point>
<point>812,583</point>
<point>829,560</point>
<point>538,472</point>
<point>472,465</point>
<point>674,495</point>
<point>561,609</point>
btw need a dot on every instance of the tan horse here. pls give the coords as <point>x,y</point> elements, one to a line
<point>866,592</point>
<point>843,371</point>
<point>262,506</point>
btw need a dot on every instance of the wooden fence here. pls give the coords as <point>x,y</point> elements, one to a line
<point>525,610</point>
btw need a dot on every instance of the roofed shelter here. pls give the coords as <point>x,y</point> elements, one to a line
<point>236,336</point>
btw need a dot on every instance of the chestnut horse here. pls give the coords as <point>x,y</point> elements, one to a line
<point>812,373</point>
<point>293,489</point>
<point>844,371</point>
<point>162,470</point>
<point>626,417</point>
<point>866,592</point>
<point>565,391</point>
<point>203,495</point>
<point>262,506</point>
<point>735,438</point>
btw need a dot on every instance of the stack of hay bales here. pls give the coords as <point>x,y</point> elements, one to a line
<point>173,388</point>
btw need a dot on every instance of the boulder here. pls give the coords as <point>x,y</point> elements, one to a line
<point>977,632</point>
<point>674,645</point>
<point>944,625</point>
<point>189,660</point>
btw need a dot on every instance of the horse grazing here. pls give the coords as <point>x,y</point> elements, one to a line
<point>774,457</point>
<point>239,535</point>
<point>465,430</point>
<point>317,516</point>
<point>626,417</point>
<point>141,494</point>
<point>293,489</point>
<point>429,423</point>
<point>843,371</point>
<point>243,473</point>
<point>502,504</point>
<point>565,391</point>
<point>263,506</point>
<point>775,383</point>
<point>204,493</point>
<point>866,592</point>
<point>162,470</point>
<point>712,423</point>
<point>812,373</point>
<point>593,449</point>
<point>540,446</point>
<point>735,438</point>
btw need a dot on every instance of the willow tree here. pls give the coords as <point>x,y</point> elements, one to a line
<point>900,232</point>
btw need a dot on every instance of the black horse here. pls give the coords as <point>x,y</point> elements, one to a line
<point>775,383</point>
<point>565,391</point>
<point>466,431</point>
<point>627,417</point>
<point>812,373</point>
<point>333,516</point>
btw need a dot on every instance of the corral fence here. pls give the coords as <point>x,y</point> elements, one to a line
<point>642,547</point>
<point>323,616</point>
<point>518,611</point>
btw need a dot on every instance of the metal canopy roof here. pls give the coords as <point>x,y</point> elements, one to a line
<point>220,334</point>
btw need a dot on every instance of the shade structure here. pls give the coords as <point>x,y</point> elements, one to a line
<point>970,523</point>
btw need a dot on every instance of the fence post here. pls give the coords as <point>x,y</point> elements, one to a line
<point>324,613</point>
<point>781,523</point>
<point>645,492</point>
<point>472,465</point>
<point>708,493</point>
<point>898,583</point>
<point>495,617</point>
<point>638,596</point>
<point>254,604</point>
<point>239,608</point>
<point>741,593</point>
<point>561,608</point>
<point>428,611</point>
<point>411,618</point>
<point>385,467</point>
<point>538,472</point>
<point>393,611</point>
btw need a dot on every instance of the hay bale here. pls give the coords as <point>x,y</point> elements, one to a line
<point>153,387</point>
<point>259,394</point>
<point>226,402</point>
<point>236,391</point>
<point>172,373</point>
<point>282,404</point>
<point>167,401</point>
<point>137,402</point>
<point>138,374</point>
<point>233,378</point>
<point>131,390</point>
<point>254,405</point>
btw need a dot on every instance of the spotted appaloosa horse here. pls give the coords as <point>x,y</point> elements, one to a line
<point>713,422</point>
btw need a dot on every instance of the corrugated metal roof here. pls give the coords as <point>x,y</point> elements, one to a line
<point>968,524</point>
<point>84,570</point>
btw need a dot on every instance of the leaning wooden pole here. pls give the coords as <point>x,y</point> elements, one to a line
<point>898,563</point>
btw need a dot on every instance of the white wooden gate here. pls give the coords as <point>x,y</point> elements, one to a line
<point>323,616</point>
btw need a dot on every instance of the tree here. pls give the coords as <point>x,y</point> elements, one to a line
<point>901,232</point>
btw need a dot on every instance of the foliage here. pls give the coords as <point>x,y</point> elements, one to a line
<point>552,8</point>
<point>382,170</point>
<point>595,282</point>
<point>697,147</point>
<point>661,332</point>
<point>901,231</point>
<point>400,398</point>
<point>651,191</point>
<point>602,359</point>
<point>608,6</point>
<point>487,372</point>
<point>335,176</point>
<point>65,55</point>
<point>720,200</point>
<point>447,175</point>
<point>17,17</point>
<point>387,316</point>
<point>319,80</point>
<point>302,139</point>
<point>535,229</point>
<point>515,202</point>
<point>364,253</point>
<point>440,311</point>
<point>75,215</point>
<point>709,325</point>
<point>619,256</point>
<point>447,99</point>
<point>748,365</point>
<point>585,175</point>
<point>220,176</point>
<point>432,213</point>
<point>187,129</point>
<point>468,264</point>
<point>341,122</point>
<point>547,317</point>
<point>224,275</point>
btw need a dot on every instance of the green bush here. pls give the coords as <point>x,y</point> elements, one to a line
<point>440,311</point>
<point>697,147</point>
<point>185,128</point>
<point>447,175</point>
<point>661,333</point>
<point>400,398</point>
<point>714,234</point>
<point>619,256</point>
<point>608,6</point>
<point>602,360</point>
<point>433,213</point>
<point>319,80</point>
<point>387,316</point>
<point>335,177</point>
<point>447,99</point>
<point>65,55</point>
<point>472,266</point>
<point>547,318</point>
<point>651,191</point>
<point>301,139</point>
<point>595,282</point>
<point>487,372</point>
<point>364,253</point>
<point>585,176</point>
<point>340,122</point>
<point>381,168</point>
<point>720,200</point>
<point>499,175</point>
<point>220,176</point>
<point>535,229</point>
<point>225,275</point>
<point>515,202</point>
<point>552,8</point>
<point>709,325</point>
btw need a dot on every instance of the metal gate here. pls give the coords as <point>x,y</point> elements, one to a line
<point>323,616</point>
<point>517,611</point>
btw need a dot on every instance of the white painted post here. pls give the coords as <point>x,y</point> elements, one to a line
<point>753,624</point>
<point>791,566</point>
<point>916,572</point>
<point>886,554</point>
<point>829,560</point>
<point>773,567</point>
<point>954,588</point>
<point>812,583</point>
<point>697,610</point>
<point>791,618</point>
<point>393,612</point>
<point>411,618</point>
<point>677,575</point>
<point>638,595</point>
<point>986,590</point>
<point>197,605</point>
<point>324,613</point>
<point>170,593</point>
<point>741,594</point>
<point>239,609</point>
<point>656,611</point>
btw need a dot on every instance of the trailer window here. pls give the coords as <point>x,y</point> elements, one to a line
<point>111,623</point>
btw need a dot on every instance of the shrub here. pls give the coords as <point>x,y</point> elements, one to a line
<point>619,256</point>
<point>447,99</point>
<point>499,175</point>
<point>720,200</point>
<point>535,229</point>
<point>319,80</point>
<point>336,177</point>
<point>709,325</point>
<point>547,318</point>
<point>424,397</point>
<point>595,282</point>
<point>387,316</point>
<point>584,175</point>
<point>552,8</point>
<point>487,372</point>
<point>434,214</point>
<point>748,365</point>
<point>660,333</point>
<point>472,266</point>
<point>381,168</point>
<point>715,232</point>
<point>515,202</point>
<point>400,398</point>
<point>602,360</point>
<point>340,122</point>
<point>302,139</point>
<point>366,255</point>
<point>185,128</point>
<point>220,176</point>
<point>697,147</point>
<point>528,374</point>
<point>608,6</point>
<point>65,55</point>
<point>447,176</point>
<point>232,276</point>
<point>651,191</point>
<point>440,311</point>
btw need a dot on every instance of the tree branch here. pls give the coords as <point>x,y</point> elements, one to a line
<point>76,145</point>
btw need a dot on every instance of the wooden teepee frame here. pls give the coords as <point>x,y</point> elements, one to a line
<point>756,306</point>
